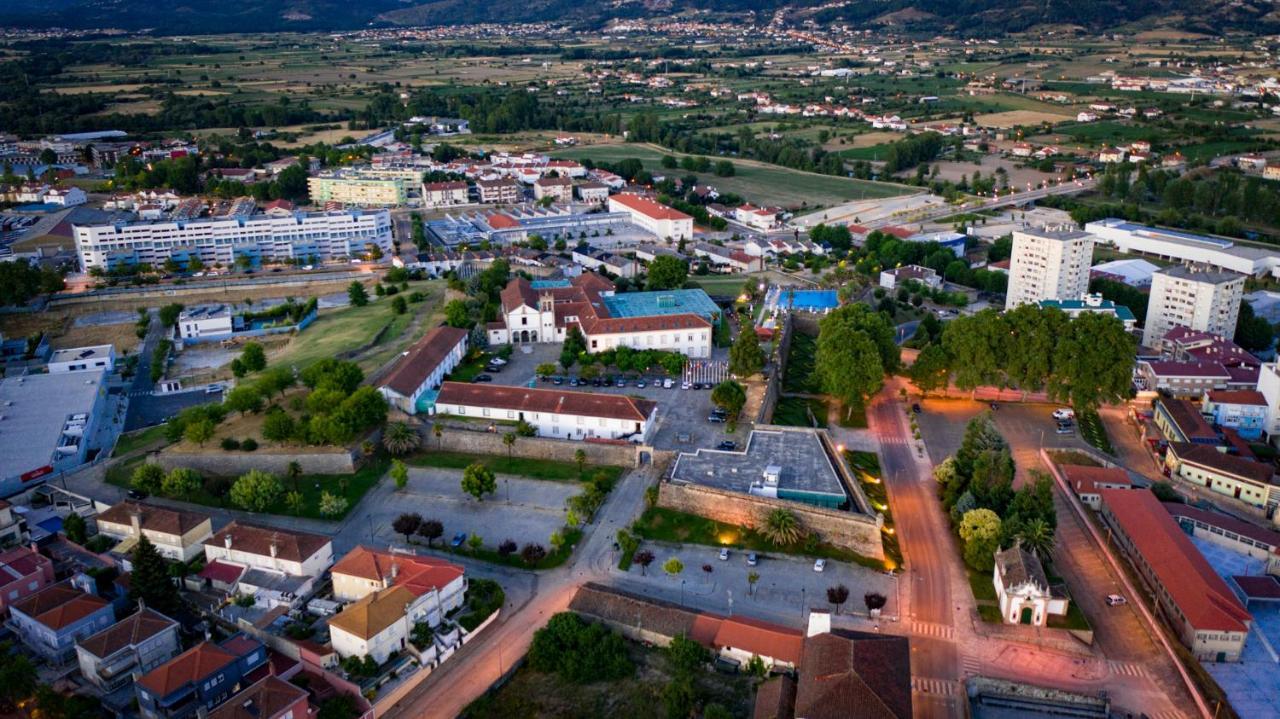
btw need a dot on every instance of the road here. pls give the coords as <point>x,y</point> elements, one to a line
<point>987,203</point>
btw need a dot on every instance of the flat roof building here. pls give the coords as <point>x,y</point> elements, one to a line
<point>1186,247</point>
<point>76,359</point>
<point>1048,265</point>
<point>39,437</point>
<point>780,463</point>
<point>1198,297</point>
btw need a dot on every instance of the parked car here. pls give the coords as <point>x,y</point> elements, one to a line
<point>137,494</point>
<point>557,380</point>
<point>1064,413</point>
<point>685,385</point>
<point>724,555</point>
<point>620,383</point>
<point>498,361</point>
<point>716,418</point>
<point>485,378</point>
<point>752,559</point>
<point>1115,600</point>
<point>641,384</point>
<point>916,408</point>
<point>727,446</point>
<point>819,565</point>
<point>458,540</point>
<point>1064,429</point>
<point>668,383</point>
<point>493,368</point>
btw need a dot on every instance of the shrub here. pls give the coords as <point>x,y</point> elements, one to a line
<point>579,651</point>
<point>249,444</point>
<point>230,444</point>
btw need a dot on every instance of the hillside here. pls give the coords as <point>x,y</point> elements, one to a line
<point>973,17</point>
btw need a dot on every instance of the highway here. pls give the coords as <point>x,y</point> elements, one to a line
<point>1068,187</point>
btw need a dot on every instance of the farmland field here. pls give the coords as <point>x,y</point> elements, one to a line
<point>756,182</point>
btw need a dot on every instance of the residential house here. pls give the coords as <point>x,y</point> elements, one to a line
<point>559,189</point>
<point>1023,591</point>
<point>118,655</point>
<point>200,679</point>
<point>1245,411</point>
<point>423,367</point>
<point>78,359</point>
<point>23,572</point>
<point>1180,420</point>
<point>502,191</point>
<point>594,259</point>
<point>269,698</point>
<point>1197,603</point>
<point>177,534</point>
<point>444,194</point>
<point>890,279</point>
<point>1088,482</point>
<point>760,218</point>
<point>66,196</point>
<point>1182,379</point>
<point>13,530</point>
<point>52,620</point>
<point>275,566</point>
<point>1253,483</point>
<point>552,412</point>
<point>592,192</point>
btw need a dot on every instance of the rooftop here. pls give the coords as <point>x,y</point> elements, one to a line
<point>289,546</point>
<point>59,605</point>
<point>128,632</point>
<point>1017,566</point>
<point>1226,522</point>
<point>370,615</point>
<point>666,302</point>
<point>156,519</point>
<point>1186,416</point>
<point>190,666</point>
<point>1210,458</point>
<point>1201,595</point>
<point>797,455</point>
<point>854,674</point>
<point>1201,273</point>
<point>73,354</point>
<point>526,399</point>
<point>418,574</point>
<point>1072,306</point>
<point>422,359</point>
<point>33,427</point>
<point>264,700</point>
<point>1088,480</point>
<point>651,208</point>
<point>1044,233</point>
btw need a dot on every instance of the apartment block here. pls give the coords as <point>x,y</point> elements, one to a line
<point>1199,297</point>
<point>1048,265</point>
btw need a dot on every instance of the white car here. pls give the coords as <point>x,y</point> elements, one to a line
<point>1064,413</point>
<point>497,361</point>
<point>724,555</point>
<point>1115,600</point>
<point>685,385</point>
<point>819,565</point>
<point>668,383</point>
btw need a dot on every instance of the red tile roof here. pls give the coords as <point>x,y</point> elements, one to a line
<point>650,208</point>
<point>1086,480</point>
<point>151,517</point>
<point>221,572</point>
<point>1186,416</point>
<point>21,562</point>
<point>501,221</point>
<point>127,632</point>
<point>290,546</point>
<point>854,674</point>
<point>526,399</point>
<point>192,665</point>
<point>59,605</point>
<point>266,699</point>
<point>1165,368</point>
<point>417,574</point>
<point>1200,594</point>
<point>449,185</point>
<point>1258,534</point>
<point>1210,458</point>
<point>1239,396</point>
<point>422,359</point>
<point>1255,587</point>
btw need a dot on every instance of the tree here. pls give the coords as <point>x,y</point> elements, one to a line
<point>341,706</point>
<point>400,473</point>
<point>837,596</point>
<point>1253,333</point>
<point>294,472</point>
<point>546,369</point>
<point>580,458</point>
<point>1094,362</point>
<point>679,697</point>
<point>333,505</point>
<point>276,381</point>
<point>407,524</point>
<point>147,478</point>
<point>752,578</point>
<point>724,168</point>
<point>181,482</point>
<point>579,651</point>
<point>478,480</point>
<point>295,503</point>
<point>745,356</point>
<point>686,655</point>
<point>75,528</point>
<point>532,554</point>
<point>356,293</point>
<point>399,305</point>
<point>673,566</point>
<point>456,314</point>
<point>507,547</point>
<point>431,530</point>
<point>18,677</point>
<point>644,558</point>
<point>980,530</point>
<point>781,527</point>
<point>1036,536</point>
<point>667,272</point>
<point>729,396</point>
<point>199,431</point>
<point>874,601</point>
<point>509,441</point>
<point>254,357</point>
<point>847,364</point>
<point>278,426</point>
<point>475,542</point>
<point>1165,492</point>
<point>150,580</point>
<point>256,491</point>
<point>243,399</point>
<point>400,439</point>
<point>931,370</point>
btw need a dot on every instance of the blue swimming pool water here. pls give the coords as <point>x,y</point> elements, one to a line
<point>809,299</point>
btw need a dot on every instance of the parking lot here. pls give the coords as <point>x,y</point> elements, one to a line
<point>682,414</point>
<point>787,585</point>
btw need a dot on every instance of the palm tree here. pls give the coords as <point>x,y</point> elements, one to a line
<point>752,578</point>
<point>437,430</point>
<point>1037,536</point>
<point>399,438</point>
<point>781,527</point>
<point>509,440</point>
<point>294,471</point>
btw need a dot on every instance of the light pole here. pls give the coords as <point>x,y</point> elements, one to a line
<point>682,592</point>
<point>802,602</point>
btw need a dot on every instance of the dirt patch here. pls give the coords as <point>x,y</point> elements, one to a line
<point>1013,118</point>
<point>63,333</point>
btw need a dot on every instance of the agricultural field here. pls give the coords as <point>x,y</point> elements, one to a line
<point>757,182</point>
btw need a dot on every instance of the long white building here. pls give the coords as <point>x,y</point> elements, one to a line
<point>1048,265</point>
<point>1186,247</point>
<point>552,412</point>
<point>654,216</point>
<point>1201,298</point>
<point>319,235</point>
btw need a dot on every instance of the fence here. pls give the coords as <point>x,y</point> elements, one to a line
<point>706,371</point>
<point>233,464</point>
<point>302,324</point>
<point>773,388</point>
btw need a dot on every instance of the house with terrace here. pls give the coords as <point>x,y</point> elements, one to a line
<point>52,620</point>
<point>673,320</point>
<point>117,656</point>
<point>274,566</point>
<point>201,678</point>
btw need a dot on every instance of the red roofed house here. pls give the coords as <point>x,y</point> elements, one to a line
<point>1193,599</point>
<point>1088,482</point>
<point>423,368</point>
<point>654,216</point>
<point>270,698</point>
<point>112,658</point>
<point>23,572</point>
<point>552,412</point>
<point>444,194</point>
<point>52,620</point>
<point>390,593</point>
<point>1253,483</point>
<point>1245,411</point>
<point>199,679</point>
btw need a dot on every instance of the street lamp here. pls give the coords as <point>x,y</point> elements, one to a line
<point>802,601</point>
<point>682,592</point>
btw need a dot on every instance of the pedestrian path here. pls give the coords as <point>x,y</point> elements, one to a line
<point>927,629</point>
<point>1128,669</point>
<point>935,687</point>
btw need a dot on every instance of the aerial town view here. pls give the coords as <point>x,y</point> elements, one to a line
<point>754,359</point>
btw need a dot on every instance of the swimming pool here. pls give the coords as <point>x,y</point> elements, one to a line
<point>811,300</point>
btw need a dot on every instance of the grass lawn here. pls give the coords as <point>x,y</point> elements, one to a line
<point>852,416</point>
<point>1074,619</point>
<point>338,332</point>
<point>472,365</point>
<point>800,375</point>
<point>531,693</point>
<point>139,439</point>
<point>668,525</point>
<point>982,586</point>
<point>1093,432</point>
<point>1066,456</point>
<point>871,152</point>
<point>795,412</point>
<point>866,466</point>
<point>757,182</point>
<point>525,467</point>
<point>990,613</point>
<point>216,491</point>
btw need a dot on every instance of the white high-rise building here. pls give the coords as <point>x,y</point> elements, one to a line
<point>1048,265</point>
<point>1200,297</point>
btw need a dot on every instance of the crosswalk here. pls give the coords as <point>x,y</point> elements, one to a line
<point>970,665</point>
<point>1128,669</point>
<point>936,687</point>
<point>928,629</point>
<point>1167,715</point>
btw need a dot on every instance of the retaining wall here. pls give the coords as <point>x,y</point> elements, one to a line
<point>453,439</point>
<point>234,464</point>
